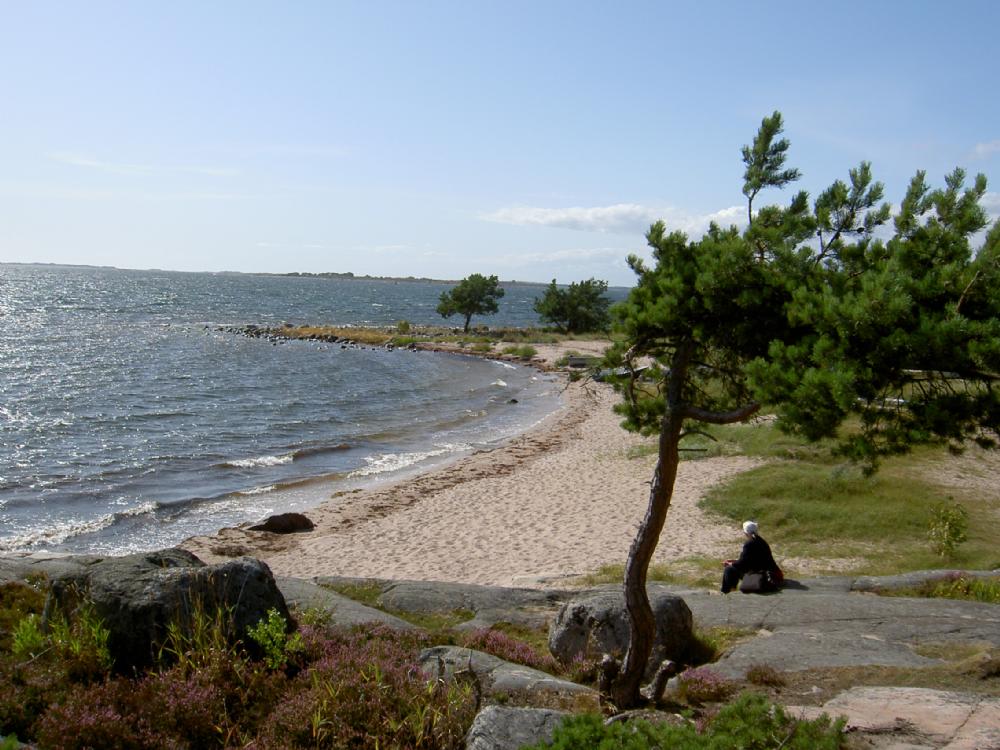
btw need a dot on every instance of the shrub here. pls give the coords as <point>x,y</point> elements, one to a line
<point>403,327</point>
<point>949,528</point>
<point>274,641</point>
<point>366,690</point>
<point>28,639</point>
<point>524,351</point>
<point>751,721</point>
<point>962,587</point>
<point>702,685</point>
<point>507,647</point>
<point>765,675</point>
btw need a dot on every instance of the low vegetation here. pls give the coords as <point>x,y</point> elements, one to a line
<point>321,686</point>
<point>955,586</point>
<point>750,721</point>
<point>812,504</point>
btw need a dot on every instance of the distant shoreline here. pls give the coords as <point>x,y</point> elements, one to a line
<point>330,275</point>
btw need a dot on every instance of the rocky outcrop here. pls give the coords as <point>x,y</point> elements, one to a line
<point>492,674</point>
<point>915,718</point>
<point>304,595</point>
<point>139,596</point>
<point>597,623</point>
<point>511,727</point>
<point>285,523</point>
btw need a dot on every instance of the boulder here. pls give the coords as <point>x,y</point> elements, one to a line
<point>510,727</point>
<point>139,596</point>
<point>285,523</point>
<point>597,623</point>
<point>494,675</point>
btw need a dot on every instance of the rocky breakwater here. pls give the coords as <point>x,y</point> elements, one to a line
<point>321,334</point>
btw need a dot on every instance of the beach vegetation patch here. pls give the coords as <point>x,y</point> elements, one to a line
<point>524,351</point>
<point>949,527</point>
<point>368,593</point>
<point>813,508</point>
<point>955,586</point>
<point>750,721</point>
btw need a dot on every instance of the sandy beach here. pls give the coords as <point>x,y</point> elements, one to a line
<point>557,502</point>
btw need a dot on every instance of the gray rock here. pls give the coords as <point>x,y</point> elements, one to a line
<point>493,673</point>
<point>285,523</point>
<point>511,728</point>
<point>489,604</point>
<point>302,595</point>
<point>597,623</point>
<point>820,625</point>
<point>138,596</point>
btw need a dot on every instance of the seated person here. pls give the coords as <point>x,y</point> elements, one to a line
<point>756,557</point>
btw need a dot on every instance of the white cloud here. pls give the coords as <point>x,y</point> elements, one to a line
<point>88,162</point>
<point>569,255</point>
<point>986,150</point>
<point>627,218</point>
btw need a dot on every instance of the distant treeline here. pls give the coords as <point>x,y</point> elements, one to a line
<point>349,275</point>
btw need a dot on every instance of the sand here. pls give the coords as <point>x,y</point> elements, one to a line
<point>557,502</point>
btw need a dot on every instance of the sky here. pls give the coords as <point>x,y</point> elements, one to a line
<point>531,140</point>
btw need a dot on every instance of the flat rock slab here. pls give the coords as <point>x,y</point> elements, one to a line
<point>927,718</point>
<point>495,675</point>
<point>490,604</point>
<point>303,594</point>
<point>820,626</point>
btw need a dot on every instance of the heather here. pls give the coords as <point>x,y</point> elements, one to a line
<point>321,686</point>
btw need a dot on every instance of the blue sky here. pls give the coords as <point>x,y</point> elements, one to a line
<point>533,140</point>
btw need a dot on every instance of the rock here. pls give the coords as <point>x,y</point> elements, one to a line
<point>531,608</point>
<point>138,596</point>
<point>597,624</point>
<point>343,611</point>
<point>285,523</point>
<point>493,674</point>
<point>932,718</point>
<point>510,728</point>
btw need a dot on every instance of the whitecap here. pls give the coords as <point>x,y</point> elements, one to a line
<point>250,463</point>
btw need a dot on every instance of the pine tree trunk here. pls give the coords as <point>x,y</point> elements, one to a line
<point>642,626</point>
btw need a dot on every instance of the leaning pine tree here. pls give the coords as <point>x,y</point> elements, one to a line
<point>808,313</point>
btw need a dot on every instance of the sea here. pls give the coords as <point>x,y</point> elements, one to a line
<point>131,417</point>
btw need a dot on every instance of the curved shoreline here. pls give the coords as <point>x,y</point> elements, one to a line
<point>558,501</point>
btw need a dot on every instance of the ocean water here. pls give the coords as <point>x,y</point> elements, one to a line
<point>129,421</point>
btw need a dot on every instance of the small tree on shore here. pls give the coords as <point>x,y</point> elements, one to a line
<point>808,312</point>
<point>473,295</point>
<point>579,307</point>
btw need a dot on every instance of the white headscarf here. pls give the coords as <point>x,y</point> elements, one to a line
<point>750,527</point>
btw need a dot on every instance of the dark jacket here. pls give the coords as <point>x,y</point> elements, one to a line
<point>756,557</point>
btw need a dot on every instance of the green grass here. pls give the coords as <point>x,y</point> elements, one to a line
<point>815,507</point>
<point>963,588</point>
<point>524,351</point>
<point>697,571</point>
<point>810,503</point>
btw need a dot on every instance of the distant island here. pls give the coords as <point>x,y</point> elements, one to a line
<point>355,277</point>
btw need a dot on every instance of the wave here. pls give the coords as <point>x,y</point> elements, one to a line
<point>385,463</point>
<point>62,531</point>
<point>251,463</point>
<point>283,458</point>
